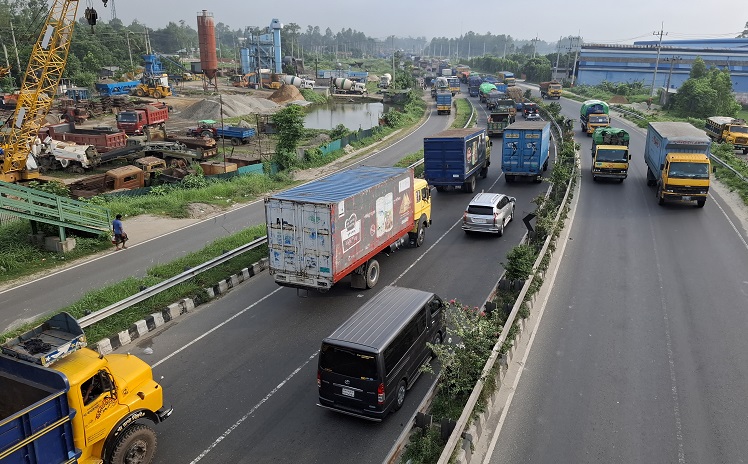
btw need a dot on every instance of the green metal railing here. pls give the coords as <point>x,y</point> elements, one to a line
<point>47,208</point>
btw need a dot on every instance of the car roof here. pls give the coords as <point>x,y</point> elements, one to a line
<point>486,199</point>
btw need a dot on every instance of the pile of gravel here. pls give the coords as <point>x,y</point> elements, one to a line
<point>233,106</point>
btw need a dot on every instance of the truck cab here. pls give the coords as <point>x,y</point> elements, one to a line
<point>610,154</point>
<point>723,129</point>
<point>106,399</point>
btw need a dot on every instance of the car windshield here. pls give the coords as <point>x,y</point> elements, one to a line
<point>598,119</point>
<point>127,117</point>
<point>347,362</point>
<point>689,170</point>
<point>612,156</point>
<point>740,129</point>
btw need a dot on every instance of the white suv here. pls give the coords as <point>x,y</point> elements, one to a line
<point>488,212</point>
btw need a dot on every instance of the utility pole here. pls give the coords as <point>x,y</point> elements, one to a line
<point>504,55</point>
<point>558,54</point>
<point>484,48</point>
<point>129,50</point>
<point>18,61</point>
<point>534,45</point>
<point>657,60</point>
<point>576,55</point>
<point>672,60</point>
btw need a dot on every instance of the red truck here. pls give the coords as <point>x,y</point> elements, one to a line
<point>103,139</point>
<point>134,121</point>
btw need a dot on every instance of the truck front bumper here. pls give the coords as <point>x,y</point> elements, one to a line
<point>611,174</point>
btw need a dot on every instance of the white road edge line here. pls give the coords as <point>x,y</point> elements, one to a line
<point>732,224</point>
<point>505,409</point>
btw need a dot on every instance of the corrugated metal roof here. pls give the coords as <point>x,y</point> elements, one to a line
<point>379,319</point>
<point>341,185</point>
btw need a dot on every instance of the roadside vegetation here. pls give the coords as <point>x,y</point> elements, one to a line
<point>475,330</point>
<point>464,112</point>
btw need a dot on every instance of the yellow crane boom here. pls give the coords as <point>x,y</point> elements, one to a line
<point>40,82</point>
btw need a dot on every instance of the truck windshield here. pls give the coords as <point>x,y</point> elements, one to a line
<point>612,156</point>
<point>127,117</point>
<point>689,170</point>
<point>598,119</point>
<point>740,129</point>
<point>347,362</point>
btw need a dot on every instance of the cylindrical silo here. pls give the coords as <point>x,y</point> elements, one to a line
<point>206,36</point>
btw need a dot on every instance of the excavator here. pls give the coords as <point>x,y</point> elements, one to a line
<point>241,80</point>
<point>40,82</point>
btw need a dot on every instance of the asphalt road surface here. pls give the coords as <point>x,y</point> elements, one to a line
<point>641,355</point>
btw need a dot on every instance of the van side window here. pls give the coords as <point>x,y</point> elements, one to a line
<point>435,306</point>
<point>394,353</point>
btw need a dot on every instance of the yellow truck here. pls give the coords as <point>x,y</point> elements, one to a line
<point>677,157</point>
<point>724,129</point>
<point>62,402</point>
<point>610,154</point>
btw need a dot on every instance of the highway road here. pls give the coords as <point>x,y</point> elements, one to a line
<point>641,354</point>
<point>241,370</point>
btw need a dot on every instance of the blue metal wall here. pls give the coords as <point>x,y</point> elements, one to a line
<point>632,63</point>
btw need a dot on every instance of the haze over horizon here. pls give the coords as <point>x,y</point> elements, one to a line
<point>595,23</point>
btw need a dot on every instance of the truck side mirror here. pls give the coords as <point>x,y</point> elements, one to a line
<point>629,157</point>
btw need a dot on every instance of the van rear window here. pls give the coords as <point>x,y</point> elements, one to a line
<point>347,362</point>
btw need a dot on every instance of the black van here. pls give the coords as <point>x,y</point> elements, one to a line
<point>368,363</point>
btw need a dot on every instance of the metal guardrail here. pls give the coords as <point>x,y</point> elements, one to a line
<point>114,308</point>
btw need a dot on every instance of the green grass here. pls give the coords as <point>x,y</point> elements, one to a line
<point>194,288</point>
<point>410,159</point>
<point>463,111</point>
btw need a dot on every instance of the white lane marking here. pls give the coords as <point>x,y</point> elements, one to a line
<point>236,424</point>
<point>216,327</point>
<point>732,224</point>
<point>523,363</point>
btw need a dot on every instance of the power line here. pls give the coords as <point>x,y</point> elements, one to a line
<point>657,60</point>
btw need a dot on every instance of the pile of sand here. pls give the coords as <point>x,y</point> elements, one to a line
<point>619,99</point>
<point>287,93</point>
<point>233,106</point>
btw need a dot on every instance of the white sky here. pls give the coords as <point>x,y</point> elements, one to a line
<point>598,22</point>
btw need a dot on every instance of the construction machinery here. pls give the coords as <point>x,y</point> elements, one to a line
<point>153,86</point>
<point>40,83</point>
<point>240,80</point>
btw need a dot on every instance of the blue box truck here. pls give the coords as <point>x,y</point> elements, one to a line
<point>525,149</point>
<point>454,158</point>
<point>443,102</point>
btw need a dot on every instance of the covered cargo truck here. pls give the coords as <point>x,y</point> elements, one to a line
<point>323,231</point>
<point>677,156</point>
<point>454,158</point>
<point>594,114</point>
<point>550,89</point>
<point>525,150</point>
<point>474,83</point>
<point>724,129</point>
<point>64,403</point>
<point>610,153</point>
<point>443,102</point>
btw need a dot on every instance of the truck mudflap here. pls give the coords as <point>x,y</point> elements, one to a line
<point>164,413</point>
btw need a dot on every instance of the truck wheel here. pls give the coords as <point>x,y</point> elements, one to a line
<point>594,178</point>
<point>440,188</point>
<point>235,142</point>
<point>207,134</point>
<point>421,234</point>
<point>660,196</point>
<point>470,185</point>
<point>700,202</point>
<point>484,172</point>
<point>245,141</point>
<point>545,165</point>
<point>140,93</point>
<point>372,273</point>
<point>650,177</point>
<point>157,94</point>
<point>136,445</point>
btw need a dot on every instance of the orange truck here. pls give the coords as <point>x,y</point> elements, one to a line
<point>134,122</point>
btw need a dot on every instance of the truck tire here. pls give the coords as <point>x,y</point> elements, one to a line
<point>235,142</point>
<point>660,196</point>
<point>700,202</point>
<point>420,233</point>
<point>484,172</point>
<point>207,134</point>
<point>470,185</point>
<point>545,165</point>
<point>372,273</point>
<point>136,445</point>
<point>650,177</point>
<point>157,94</point>
<point>245,141</point>
<point>440,188</point>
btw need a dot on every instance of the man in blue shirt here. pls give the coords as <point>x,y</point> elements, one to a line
<point>120,237</point>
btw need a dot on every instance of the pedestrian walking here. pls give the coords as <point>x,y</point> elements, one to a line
<point>120,237</point>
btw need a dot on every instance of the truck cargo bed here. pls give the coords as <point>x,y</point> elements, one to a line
<point>48,342</point>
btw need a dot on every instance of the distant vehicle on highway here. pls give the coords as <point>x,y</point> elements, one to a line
<point>533,117</point>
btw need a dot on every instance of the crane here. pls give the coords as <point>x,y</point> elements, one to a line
<point>46,64</point>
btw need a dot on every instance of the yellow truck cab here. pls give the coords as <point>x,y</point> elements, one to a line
<point>610,154</point>
<point>78,405</point>
<point>724,129</point>
<point>421,212</point>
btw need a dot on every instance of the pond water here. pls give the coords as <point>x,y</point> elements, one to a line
<point>354,116</point>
